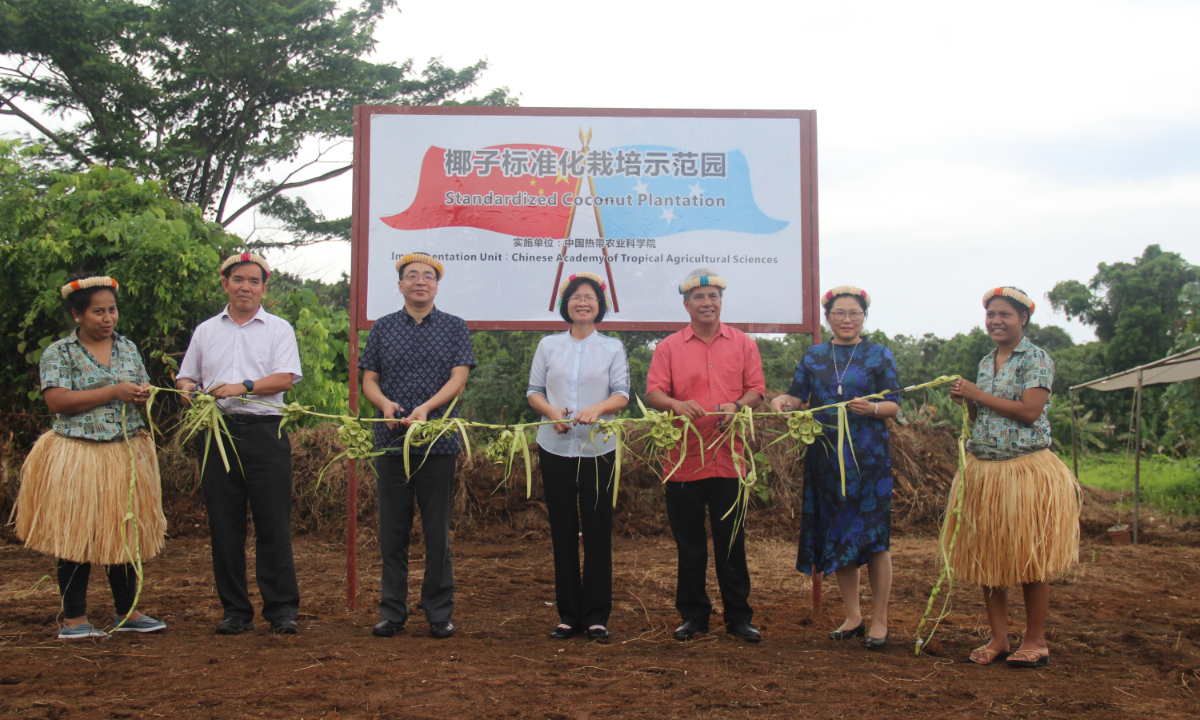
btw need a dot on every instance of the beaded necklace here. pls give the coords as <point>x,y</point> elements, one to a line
<point>836,375</point>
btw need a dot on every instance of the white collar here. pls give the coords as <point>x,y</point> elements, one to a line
<point>260,316</point>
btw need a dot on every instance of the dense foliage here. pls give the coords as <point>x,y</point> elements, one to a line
<point>1141,311</point>
<point>1134,307</point>
<point>166,254</point>
<point>206,95</point>
<point>104,221</point>
<point>1181,401</point>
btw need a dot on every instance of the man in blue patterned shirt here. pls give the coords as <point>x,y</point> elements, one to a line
<point>415,363</point>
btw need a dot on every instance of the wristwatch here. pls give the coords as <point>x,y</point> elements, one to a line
<point>249,385</point>
<point>737,405</point>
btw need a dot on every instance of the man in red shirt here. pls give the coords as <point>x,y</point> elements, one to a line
<point>707,367</point>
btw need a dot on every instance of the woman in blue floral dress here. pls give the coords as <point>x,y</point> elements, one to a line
<point>839,533</point>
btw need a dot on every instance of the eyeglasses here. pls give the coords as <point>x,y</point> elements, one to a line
<point>582,298</point>
<point>412,277</point>
<point>855,315</point>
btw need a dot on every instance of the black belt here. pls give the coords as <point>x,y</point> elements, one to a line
<point>248,419</point>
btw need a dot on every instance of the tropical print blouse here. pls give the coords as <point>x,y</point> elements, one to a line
<point>995,437</point>
<point>67,364</point>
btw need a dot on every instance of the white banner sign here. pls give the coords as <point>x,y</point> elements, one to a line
<point>496,198</point>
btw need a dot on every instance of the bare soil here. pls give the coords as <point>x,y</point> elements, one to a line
<point>1124,631</point>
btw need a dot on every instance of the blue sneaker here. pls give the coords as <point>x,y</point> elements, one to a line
<point>144,624</point>
<point>80,632</point>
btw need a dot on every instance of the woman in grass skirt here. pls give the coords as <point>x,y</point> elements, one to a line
<point>1020,510</point>
<point>75,485</point>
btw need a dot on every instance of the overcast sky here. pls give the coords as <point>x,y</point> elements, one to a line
<point>960,145</point>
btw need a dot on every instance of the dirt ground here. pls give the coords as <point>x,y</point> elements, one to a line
<point>1124,631</point>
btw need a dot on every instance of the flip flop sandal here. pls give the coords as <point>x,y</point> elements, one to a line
<point>1028,659</point>
<point>988,655</point>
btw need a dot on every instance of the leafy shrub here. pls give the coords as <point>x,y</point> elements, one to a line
<point>107,221</point>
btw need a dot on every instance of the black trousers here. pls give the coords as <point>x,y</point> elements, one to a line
<point>686,502</point>
<point>261,475</point>
<point>432,487</point>
<point>579,493</point>
<point>73,584</point>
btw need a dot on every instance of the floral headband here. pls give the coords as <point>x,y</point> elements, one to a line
<point>696,282</point>
<point>244,258</point>
<point>89,282</point>
<point>846,290</point>
<point>1009,292</point>
<point>421,258</point>
<point>562,289</point>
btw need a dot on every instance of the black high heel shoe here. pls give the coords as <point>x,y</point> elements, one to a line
<point>873,643</point>
<point>859,631</point>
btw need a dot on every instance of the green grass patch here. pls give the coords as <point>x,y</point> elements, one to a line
<point>1169,485</point>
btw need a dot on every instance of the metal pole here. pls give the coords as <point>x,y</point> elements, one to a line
<point>1074,421</point>
<point>1137,458</point>
<point>362,127</point>
<point>352,481</point>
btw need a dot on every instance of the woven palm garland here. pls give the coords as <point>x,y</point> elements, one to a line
<point>662,432</point>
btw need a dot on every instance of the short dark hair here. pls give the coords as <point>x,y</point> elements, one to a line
<point>80,300</point>
<point>228,272</point>
<point>562,306</point>
<point>862,302</point>
<point>1016,306</point>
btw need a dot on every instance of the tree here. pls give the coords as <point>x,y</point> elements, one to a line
<point>1133,306</point>
<point>496,388</point>
<point>163,252</point>
<point>1140,313</point>
<point>166,257</point>
<point>206,94</point>
<point>319,315</point>
<point>780,357</point>
<point>1181,400</point>
<point>1050,338</point>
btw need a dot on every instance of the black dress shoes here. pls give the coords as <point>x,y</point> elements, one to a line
<point>874,643</point>
<point>441,630</point>
<point>688,630</point>
<point>387,628</point>
<point>597,633</point>
<point>234,626</point>
<point>284,626</point>
<point>562,633</point>
<point>744,630</point>
<point>859,631</point>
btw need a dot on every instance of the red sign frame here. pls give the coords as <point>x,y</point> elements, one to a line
<point>809,269</point>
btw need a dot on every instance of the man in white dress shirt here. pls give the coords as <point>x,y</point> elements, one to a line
<point>246,351</point>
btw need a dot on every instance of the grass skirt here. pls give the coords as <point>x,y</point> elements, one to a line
<point>75,495</point>
<point>1020,520</point>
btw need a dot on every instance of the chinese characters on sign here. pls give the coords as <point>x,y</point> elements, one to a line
<point>585,242</point>
<point>543,162</point>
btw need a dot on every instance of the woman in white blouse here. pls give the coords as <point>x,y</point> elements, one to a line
<point>579,377</point>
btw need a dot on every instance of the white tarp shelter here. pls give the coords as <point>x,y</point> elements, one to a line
<point>1176,368</point>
